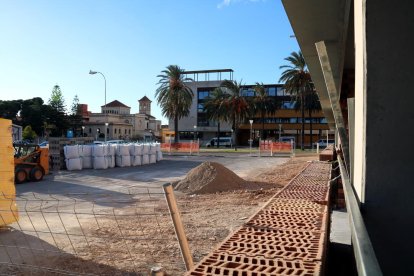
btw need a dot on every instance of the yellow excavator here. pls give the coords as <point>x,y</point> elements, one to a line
<point>31,162</point>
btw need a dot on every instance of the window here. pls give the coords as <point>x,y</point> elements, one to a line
<point>115,130</point>
<point>125,131</point>
<point>107,130</point>
<point>288,105</point>
<point>200,107</point>
<point>271,91</point>
<point>280,91</point>
<point>203,94</point>
<point>90,130</point>
<point>129,132</point>
<point>247,92</point>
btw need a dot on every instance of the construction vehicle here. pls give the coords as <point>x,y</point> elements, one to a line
<point>31,162</point>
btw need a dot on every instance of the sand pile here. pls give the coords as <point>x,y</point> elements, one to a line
<point>210,177</point>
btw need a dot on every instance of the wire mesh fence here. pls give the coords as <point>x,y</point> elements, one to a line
<point>122,233</point>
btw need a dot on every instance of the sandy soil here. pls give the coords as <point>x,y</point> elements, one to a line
<point>131,242</point>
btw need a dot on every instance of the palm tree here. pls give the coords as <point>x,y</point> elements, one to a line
<point>237,105</point>
<point>215,107</point>
<point>173,95</point>
<point>298,83</point>
<point>264,104</point>
<point>312,105</point>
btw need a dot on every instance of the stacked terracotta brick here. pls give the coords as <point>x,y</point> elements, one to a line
<point>286,237</point>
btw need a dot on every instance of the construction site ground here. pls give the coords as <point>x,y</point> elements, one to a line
<point>208,218</point>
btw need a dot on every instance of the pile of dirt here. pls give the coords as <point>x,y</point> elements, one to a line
<point>210,177</point>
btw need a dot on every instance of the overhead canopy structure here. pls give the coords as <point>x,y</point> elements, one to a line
<point>315,21</point>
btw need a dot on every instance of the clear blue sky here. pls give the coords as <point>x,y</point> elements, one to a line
<point>44,43</point>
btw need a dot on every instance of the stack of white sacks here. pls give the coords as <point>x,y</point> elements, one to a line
<point>86,155</point>
<point>73,158</point>
<point>105,156</point>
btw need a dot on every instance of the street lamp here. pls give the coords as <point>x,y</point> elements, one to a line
<point>106,114</point>
<point>106,130</point>
<point>195,129</point>
<point>280,130</point>
<point>251,139</point>
<point>83,131</point>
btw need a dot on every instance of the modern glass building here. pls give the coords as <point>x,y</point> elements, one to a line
<point>286,121</point>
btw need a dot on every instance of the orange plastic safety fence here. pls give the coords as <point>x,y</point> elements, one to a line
<point>180,147</point>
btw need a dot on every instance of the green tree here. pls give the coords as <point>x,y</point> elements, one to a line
<point>74,109</point>
<point>56,114</point>
<point>236,104</point>
<point>263,104</point>
<point>173,95</point>
<point>216,108</point>
<point>31,114</point>
<point>29,133</point>
<point>10,109</point>
<point>297,82</point>
<point>56,100</point>
<point>75,117</point>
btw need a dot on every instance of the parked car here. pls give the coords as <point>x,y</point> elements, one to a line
<point>224,142</point>
<point>116,141</point>
<point>323,143</point>
<point>288,139</point>
<point>44,144</point>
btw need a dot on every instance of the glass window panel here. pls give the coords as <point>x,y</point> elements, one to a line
<point>272,91</point>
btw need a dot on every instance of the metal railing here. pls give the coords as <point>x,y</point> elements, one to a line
<point>366,261</point>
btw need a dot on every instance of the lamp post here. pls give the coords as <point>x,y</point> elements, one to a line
<point>106,113</point>
<point>83,131</point>
<point>106,130</point>
<point>280,130</point>
<point>195,129</point>
<point>251,139</point>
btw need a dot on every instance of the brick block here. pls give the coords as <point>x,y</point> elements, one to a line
<point>289,220</point>
<point>228,264</point>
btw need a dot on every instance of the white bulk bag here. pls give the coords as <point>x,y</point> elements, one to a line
<point>138,149</point>
<point>74,164</point>
<point>87,162</point>
<point>159,155</point>
<point>153,149</point>
<point>112,150</point>
<point>122,150</point>
<point>85,150</point>
<point>71,152</point>
<point>145,159</point>
<point>136,160</point>
<point>152,158</point>
<point>145,149</point>
<point>98,151</point>
<point>123,161</point>
<point>99,163</point>
<point>110,161</point>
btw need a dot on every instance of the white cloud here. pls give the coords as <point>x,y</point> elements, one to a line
<point>226,3</point>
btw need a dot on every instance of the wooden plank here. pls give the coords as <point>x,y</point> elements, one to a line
<point>178,226</point>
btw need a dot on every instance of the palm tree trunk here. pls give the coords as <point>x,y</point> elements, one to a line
<point>235,133</point>
<point>302,146</point>
<point>263,137</point>
<point>218,134</point>
<point>310,118</point>
<point>176,129</point>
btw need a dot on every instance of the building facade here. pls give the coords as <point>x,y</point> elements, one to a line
<point>354,51</point>
<point>285,122</point>
<point>116,122</point>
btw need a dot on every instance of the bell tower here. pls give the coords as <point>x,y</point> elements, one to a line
<point>145,106</point>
